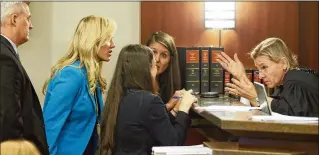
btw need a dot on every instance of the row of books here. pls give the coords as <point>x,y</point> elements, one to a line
<point>199,69</point>
<point>201,72</point>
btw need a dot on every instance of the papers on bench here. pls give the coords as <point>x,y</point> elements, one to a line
<point>227,108</point>
<point>274,117</point>
<point>182,150</point>
<point>285,118</point>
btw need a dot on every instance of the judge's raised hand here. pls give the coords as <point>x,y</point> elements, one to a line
<point>236,68</point>
<point>243,88</point>
<point>187,101</point>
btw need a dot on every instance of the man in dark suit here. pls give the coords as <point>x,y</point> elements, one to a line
<point>20,110</point>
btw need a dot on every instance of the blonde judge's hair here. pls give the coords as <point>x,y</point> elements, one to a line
<point>91,33</point>
<point>275,49</point>
<point>18,147</point>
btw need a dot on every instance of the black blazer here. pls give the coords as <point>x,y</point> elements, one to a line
<point>143,122</point>
<point>21,113</point>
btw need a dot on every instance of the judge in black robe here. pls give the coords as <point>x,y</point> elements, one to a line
<point>298,95</point>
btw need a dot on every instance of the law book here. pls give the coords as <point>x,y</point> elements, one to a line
<point>216,71</point>
<point>249,74</point>
<point>192,72</point>
<point>227,77</point>
<point>182,64</point>
<point>204,69</point>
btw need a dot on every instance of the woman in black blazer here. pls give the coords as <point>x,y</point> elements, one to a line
<point>135,118</point>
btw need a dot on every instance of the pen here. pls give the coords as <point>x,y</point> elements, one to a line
<point>177,97</point>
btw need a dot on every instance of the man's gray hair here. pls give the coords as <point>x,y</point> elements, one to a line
<point>8,8</point>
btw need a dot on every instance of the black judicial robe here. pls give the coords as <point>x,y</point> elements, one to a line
<point>298,96</point>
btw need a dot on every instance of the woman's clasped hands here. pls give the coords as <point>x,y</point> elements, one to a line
<point>186,101</point>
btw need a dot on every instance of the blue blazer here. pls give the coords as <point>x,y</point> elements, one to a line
<point>69,111</point>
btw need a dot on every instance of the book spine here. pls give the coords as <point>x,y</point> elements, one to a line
<point>227,77</point>
<point>249,74</point>
<point>192,73</point>
<point>182,64</point>
<point>204,82</point>
<point>216,72</point>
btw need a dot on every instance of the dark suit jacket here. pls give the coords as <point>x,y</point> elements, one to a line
<point>21,114</point>
<point>143,122</point>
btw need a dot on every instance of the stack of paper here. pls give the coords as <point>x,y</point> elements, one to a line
<point>182,150</point>
<point>227,108</point>
<point>285,118</point>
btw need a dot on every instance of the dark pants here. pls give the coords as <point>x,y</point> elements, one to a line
<point>90,147</point>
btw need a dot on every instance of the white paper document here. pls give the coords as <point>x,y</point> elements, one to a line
<point>182,150</point>
<point>227,108</point>
<point>285,118</point>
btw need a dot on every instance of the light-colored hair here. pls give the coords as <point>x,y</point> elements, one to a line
<point>9,8</point>
<point>91,34</point>
<point>18,147</point>
<point>275,49</point>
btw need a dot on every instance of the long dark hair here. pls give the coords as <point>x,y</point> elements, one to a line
<point>132,72</point>
<point>170,80</point>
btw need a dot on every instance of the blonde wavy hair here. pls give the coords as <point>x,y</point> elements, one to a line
<point>275,49</point>
<point>18,147</point>
<point>91,34</point>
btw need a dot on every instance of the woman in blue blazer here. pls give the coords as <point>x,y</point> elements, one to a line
<point>73,99</point>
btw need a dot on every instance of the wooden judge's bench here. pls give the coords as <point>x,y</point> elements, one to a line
<point>234,133</point>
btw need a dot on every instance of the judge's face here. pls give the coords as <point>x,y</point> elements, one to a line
<point>105,51</point>
<point>272,73</point>
<point>162,57</point>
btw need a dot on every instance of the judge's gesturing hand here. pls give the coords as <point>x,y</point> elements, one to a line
<point>236,68</point>
<point>243,88</point>
<point>187,101</point>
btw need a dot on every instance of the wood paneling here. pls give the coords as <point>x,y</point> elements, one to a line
<point>308,34</point>
<point>255,21</point>
<point>294,22</point>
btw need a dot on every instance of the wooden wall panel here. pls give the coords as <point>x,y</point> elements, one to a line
<point>308,34</point>
<point>255,21</point>
<point>294,22</point>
